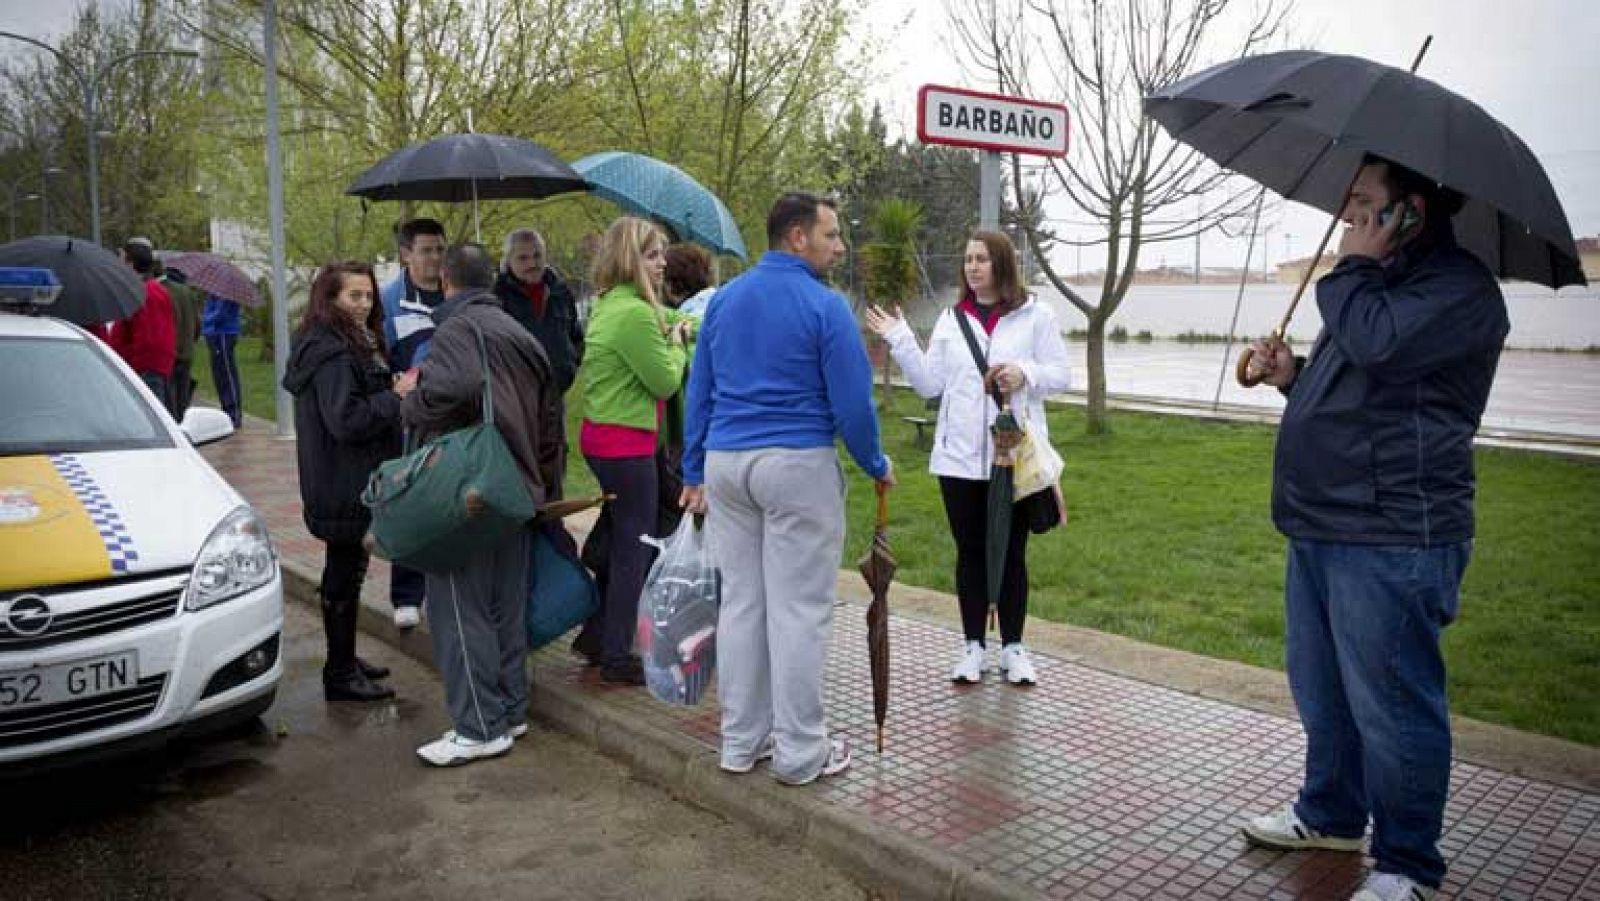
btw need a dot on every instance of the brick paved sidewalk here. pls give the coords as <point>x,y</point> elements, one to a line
<point>1088,785</point>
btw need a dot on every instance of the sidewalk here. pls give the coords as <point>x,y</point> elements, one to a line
<point>1092,784</point>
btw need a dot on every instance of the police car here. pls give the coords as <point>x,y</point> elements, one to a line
<point>140,596</point>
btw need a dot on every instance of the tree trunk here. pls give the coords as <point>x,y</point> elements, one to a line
<point>1098,422</point>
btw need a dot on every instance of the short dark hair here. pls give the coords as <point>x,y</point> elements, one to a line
<point>1443,203</point>
<point>141,256</point>
<point>688,271</point>
<point>792,209</point>
<point>407,231</point>
<point>468,265</point>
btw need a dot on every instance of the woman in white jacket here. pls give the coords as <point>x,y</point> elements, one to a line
<point>1027,359</point>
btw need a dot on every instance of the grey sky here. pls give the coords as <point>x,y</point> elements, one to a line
<point>1531,63</point>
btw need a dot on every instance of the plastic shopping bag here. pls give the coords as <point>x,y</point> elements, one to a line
<point>677,627</point>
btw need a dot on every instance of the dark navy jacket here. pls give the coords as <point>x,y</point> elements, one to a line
<point>1375,446</point>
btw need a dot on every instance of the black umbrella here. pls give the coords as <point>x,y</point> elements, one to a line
<point>468,167</point>
<point>1301,122</point>
<point>1007,434</point>
<point>96,286</point>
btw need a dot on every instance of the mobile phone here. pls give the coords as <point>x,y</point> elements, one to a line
<point>1409,218</point>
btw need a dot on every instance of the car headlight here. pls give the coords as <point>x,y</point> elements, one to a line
<point>236,558</point>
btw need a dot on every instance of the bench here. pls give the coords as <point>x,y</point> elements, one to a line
<point>923,439</point>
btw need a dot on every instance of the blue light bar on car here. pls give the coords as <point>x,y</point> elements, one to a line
<point>28,286</point>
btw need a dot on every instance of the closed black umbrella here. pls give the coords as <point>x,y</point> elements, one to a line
<point>96,285</point>
<point>1301,122</point>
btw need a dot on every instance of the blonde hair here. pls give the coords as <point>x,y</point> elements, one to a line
<point>620,259</point>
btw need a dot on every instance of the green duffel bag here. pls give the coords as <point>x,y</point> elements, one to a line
<point>460,493</point>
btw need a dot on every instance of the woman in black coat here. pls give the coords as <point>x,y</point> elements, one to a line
<point>347,421</point>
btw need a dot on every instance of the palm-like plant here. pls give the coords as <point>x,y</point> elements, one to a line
<point>891,259</point>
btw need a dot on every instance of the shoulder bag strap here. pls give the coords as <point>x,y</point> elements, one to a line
<point>977,353</point>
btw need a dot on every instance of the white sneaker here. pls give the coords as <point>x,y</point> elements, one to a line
<point>454,750</point>
<point>765,753</point>
<point>1392,887</point>
<point>1016,665</point>
<point>516,732</point>
<point>407,618</point>
<point>969,666</point>
<point>838,761</point>
<point>1283,831</point>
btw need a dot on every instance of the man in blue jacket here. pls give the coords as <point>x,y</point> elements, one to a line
<point>1373,485</point>
<point>779,374</point>
<point>219,326</point>
<point>408,304</point>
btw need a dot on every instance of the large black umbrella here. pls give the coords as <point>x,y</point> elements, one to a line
<point>96,286</point>
<point>1301,122</point>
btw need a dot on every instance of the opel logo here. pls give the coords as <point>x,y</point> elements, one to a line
<point>27,616</point>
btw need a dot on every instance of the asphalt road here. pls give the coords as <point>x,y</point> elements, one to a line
<point>329,801</point>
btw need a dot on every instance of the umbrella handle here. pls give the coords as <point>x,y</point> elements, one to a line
<point>1247,374</point>
<point>883,505</point>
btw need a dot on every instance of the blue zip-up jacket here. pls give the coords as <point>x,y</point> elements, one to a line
<point>779,363</point>
<point>219,317</point>
<point>407,323</point>
<point>1375,446</point>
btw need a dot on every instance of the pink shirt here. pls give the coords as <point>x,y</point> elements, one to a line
<point>605,441</point>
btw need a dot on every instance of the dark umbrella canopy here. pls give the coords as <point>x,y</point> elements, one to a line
<point>96,286</point>
<point>214,275</point>
<point>878,567</point>
<point>1301,122</point>
<point>465,167</point>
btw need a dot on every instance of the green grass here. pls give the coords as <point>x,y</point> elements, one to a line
<point>255,374</point>
<point>1170,542</point>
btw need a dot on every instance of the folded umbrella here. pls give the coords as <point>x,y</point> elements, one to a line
<point>96,285</point>
<point>214,275</point>
<point>877,568</point>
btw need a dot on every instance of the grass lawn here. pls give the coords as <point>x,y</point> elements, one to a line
<point>1170,542</point>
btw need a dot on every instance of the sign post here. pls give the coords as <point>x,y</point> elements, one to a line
<point>992,124</point>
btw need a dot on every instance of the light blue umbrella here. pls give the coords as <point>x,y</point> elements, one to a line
<point>647,186</point>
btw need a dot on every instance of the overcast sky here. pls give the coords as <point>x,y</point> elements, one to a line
<point>1531,63</point>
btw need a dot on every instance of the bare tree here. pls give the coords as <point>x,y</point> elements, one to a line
<point>1101,58</point>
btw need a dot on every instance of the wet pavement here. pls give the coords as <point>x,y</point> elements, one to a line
<point>328,801</point>
<point>1090,784</point>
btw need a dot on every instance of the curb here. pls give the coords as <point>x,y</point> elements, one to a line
<point>879,859</point>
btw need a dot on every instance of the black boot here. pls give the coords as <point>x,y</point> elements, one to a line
<point>372,670</point>
<point>587,645</point>
<point>342,676</point>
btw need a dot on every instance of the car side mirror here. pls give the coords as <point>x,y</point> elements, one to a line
<point>206,425</point>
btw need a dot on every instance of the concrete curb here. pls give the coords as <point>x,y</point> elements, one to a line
<point>880,859</point>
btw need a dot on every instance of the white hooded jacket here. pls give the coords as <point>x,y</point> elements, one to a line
<point>1028,337</point>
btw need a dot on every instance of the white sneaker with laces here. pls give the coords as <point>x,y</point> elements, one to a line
<point>454,750</point>
<point>838,761</point>
<point>1392,887</point>
<point>1283,831</point>
<point>1016,665</point>
<point>516,732</point>
<point>765,753</point>
<point>969,666</point>
<point>407,618</point>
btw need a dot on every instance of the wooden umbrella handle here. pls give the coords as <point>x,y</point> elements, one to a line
<point>883,505</point>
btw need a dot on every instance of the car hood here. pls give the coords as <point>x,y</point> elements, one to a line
<point>81,517</point>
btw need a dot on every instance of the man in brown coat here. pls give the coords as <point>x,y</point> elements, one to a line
<point>477,613</point>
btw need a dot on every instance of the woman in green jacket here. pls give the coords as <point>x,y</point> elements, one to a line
<point>634,362</point>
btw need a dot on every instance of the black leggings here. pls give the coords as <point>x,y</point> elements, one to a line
<point>633,513</point>
<point>966,505</point>
<point>343,571</point>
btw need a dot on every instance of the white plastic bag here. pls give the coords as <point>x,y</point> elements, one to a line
<point>677,624</point>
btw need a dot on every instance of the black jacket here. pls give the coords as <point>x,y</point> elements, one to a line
<point>347,421</point>
<point>1375,446</point>
<point>558,330</point>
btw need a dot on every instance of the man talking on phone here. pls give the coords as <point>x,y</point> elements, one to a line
<point>1373,486</point>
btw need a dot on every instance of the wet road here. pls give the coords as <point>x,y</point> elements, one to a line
<point>329,802</point>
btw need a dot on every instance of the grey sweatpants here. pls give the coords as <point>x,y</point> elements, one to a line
<point>776,528</point>
<point>477,615</point>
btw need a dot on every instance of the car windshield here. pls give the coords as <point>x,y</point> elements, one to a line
<point>66,396</point>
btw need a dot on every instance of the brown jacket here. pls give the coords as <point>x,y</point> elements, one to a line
<point>527,408</point>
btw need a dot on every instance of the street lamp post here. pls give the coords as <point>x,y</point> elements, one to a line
<point>88,85</point>
<point>16,184</point>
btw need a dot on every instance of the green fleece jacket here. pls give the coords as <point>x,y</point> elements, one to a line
<point>628,365</point>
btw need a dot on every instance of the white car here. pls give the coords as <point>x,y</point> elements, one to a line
<point>140,597</point>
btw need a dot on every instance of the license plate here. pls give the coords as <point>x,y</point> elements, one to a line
<point>65,682</point>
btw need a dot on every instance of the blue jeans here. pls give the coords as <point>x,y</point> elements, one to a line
<point>1364,664</point>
